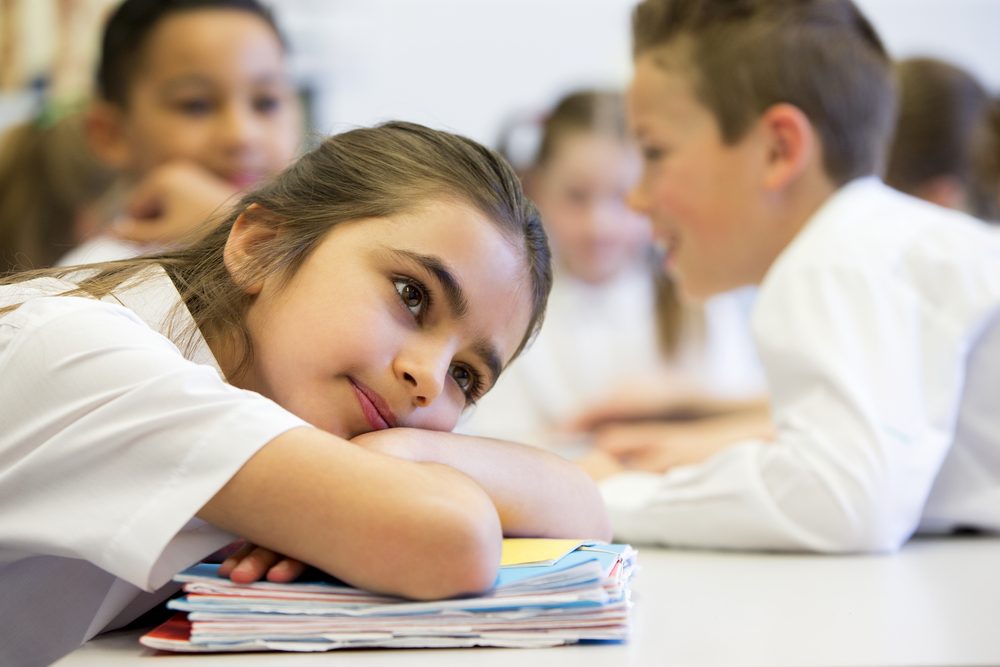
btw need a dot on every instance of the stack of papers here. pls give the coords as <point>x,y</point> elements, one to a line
<point>548,592</point>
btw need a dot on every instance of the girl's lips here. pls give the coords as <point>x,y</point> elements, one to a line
<point>376,412</point>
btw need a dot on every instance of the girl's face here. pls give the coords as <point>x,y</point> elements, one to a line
<point>400,321</point>
<point>211,88</point>
<point>581,193</point>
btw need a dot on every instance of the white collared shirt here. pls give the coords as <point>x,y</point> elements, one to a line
<point>879,332</point>
<point>117,427</point>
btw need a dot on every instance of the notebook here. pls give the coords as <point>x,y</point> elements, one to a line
<point>547,593</point>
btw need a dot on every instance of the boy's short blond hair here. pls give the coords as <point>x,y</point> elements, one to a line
<point>822,56</point>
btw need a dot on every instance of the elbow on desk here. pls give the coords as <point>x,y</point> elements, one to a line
<point>871,526</point>
<point>841,509</point>
<point>457,553</point>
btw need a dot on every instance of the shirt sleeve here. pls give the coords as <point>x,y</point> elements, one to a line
<point>865,380</point>
<point>112,440</point>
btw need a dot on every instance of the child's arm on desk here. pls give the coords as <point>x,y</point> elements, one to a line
<point>394,526</point>
<point>658,446</point>
<point>535,493</point>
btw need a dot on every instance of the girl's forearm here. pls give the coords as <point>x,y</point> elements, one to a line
<point>390,526</point>
<point>536,493</point>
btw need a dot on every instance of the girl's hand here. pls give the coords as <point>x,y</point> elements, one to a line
<point>251,563</point>
<point>534,492</point>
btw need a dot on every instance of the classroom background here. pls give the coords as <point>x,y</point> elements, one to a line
<point>472,67</point>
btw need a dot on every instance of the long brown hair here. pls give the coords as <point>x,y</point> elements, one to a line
<point>365,173</point>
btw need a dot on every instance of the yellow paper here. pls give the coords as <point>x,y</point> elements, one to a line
<point>528,551</point>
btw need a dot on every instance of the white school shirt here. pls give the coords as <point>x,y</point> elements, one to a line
<point>879,331</point>
<point>596,339</point>
<point>115,432</point>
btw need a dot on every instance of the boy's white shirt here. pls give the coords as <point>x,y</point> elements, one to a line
<point>597,338</point>
<point>115,433</point>
<point>879,331</point>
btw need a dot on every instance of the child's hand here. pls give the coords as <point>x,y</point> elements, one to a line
<point>660,446</point>
<point>171,202</point>
<point>251,563</point>
<point>600,465</point>
<point>657,447</point>
<point>643,398</point>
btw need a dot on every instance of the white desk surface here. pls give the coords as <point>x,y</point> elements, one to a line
<point>937,602</point>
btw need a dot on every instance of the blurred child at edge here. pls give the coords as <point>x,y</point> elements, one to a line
<point>194,105</point>
<point>944,132</point>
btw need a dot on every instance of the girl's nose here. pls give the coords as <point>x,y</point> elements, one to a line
<point>424,370</point>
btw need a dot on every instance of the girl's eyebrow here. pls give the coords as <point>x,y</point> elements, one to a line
<point>458,303</point>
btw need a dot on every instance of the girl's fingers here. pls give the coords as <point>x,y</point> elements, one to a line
<point>254,566</point>
<point>287,569</point>
<point>231,562</point>
<point>252,563</point>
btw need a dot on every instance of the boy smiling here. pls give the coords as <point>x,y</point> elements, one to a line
<point>763,124</point>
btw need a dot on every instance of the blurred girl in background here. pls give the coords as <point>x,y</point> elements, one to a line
<point>615,325</point>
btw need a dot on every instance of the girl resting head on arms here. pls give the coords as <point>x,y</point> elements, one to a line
<point>157,407</point>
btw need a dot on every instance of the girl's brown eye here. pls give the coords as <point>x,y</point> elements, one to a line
<point>462,376</point>
<point>468,380</point>
<point>412,294</point>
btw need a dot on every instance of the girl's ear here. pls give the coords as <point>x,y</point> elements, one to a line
<point>105,129</point>
<point>791,145</point>
<point>251,231</point>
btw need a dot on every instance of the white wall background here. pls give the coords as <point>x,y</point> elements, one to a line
<point>457,64</point>
<point>466,65</point>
